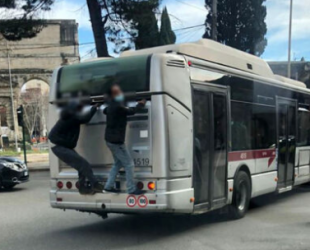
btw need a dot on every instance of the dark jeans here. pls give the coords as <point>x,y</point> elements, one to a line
<point>73,159</point>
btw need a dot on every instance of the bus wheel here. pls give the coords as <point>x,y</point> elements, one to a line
<point>241,195</point>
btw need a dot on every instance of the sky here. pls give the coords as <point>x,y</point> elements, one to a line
<point>185,13</point>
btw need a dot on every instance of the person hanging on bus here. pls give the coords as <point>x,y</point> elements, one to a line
<point>65,135</point>
<point>115,134</point>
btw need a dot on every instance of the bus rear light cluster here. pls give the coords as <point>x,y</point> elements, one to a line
<point>140,185</point>
<point>60,185</point>
<point>151,185</point>
<point>69,184</point>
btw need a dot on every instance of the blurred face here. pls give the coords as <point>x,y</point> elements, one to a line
<point>116,90</point>
<point>117,94</point>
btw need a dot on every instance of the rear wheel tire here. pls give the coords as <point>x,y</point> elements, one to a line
<point>241,195</point>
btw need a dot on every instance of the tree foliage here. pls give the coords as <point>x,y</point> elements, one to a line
<point>128,24</point>
<point>141,17</point>
<point>26,24</point>
<point>35,105</point>
<point>240,24</point>
<point>166,35</point>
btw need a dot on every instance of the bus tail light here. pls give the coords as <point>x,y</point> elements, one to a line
<point>60,185</point>
<point>69,184</point>
<point>140,185</point>
<point>77,185</point>
<point>153,202</point>
<point>151,185</point>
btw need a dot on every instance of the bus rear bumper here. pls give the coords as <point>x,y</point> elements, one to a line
<point>179,201</point>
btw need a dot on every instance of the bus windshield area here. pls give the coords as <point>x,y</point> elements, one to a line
<point>94,78</point>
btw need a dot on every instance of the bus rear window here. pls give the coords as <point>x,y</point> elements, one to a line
<point>94,78</point>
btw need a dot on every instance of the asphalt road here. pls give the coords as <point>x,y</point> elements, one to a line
<point>28,222</point>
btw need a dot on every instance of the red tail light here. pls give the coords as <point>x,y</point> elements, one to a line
<point>69,184</point>
<point>77,185</point>
<point>60,185</point>
<point>140,185</point>
<point>151,185</point>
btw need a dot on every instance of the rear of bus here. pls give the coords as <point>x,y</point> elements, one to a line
<point>159,137</point>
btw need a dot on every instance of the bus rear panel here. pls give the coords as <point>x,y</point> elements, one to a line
<point>163,158</point>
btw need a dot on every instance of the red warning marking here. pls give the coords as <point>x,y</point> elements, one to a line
<point>131,201</point>
<point>142,201</point>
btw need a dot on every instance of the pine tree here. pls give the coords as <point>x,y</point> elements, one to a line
<point>141,14</point>
<point>166,35</point>
<point>240,24</point>
<point>148,34</point>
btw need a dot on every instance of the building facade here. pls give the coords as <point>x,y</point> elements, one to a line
<point>300,70</point>
<point>32,60</point>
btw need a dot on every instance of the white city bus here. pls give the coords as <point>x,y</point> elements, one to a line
<point>219,128</point>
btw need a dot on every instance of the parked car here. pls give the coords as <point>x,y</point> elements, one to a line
<point>12,172</point>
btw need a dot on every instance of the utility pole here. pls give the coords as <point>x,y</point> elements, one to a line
<point>12,97</point>
<point>214,20</point>
<point>289,66</point>
<point>20,118</point>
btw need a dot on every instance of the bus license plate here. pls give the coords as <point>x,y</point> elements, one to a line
<point>143,162</point>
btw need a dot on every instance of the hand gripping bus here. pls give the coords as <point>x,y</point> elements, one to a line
<point>219,128</point>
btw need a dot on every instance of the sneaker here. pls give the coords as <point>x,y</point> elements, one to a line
<point>138,192</point>
<point>86,190</point>
<point>98,187</point>
<point>112,190</point>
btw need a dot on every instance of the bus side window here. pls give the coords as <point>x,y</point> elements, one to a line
<point>253,126</point>
<point>265,126</point>
<point>303,128</point>
<point>241,126</point>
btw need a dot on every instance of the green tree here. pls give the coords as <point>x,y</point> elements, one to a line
<point>7,4</point>
<point>148,34</point>
<point>240,24</point>
<point>123,22</point>
<point>166,36</point>
<point>26,24</point>
<point>144,29</point>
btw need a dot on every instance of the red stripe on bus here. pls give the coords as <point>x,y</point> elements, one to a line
<point>253,154</point>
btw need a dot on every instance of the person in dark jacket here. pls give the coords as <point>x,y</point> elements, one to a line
<point>115,134</point>
<point>65,135</point>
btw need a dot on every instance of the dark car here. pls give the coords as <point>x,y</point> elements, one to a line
<point>12,172</point>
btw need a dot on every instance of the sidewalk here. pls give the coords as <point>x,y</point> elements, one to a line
<point>38,166</point>
<point>37,162</point>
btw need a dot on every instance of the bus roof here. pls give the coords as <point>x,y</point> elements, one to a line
<point>212,51</point>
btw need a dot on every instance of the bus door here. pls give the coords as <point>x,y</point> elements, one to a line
<point>211,116</point>
<point>287,118</point>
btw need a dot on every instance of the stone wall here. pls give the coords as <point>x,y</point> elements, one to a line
<point>35,58</point>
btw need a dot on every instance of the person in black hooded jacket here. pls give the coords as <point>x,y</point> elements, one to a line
<point>65,135</point>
